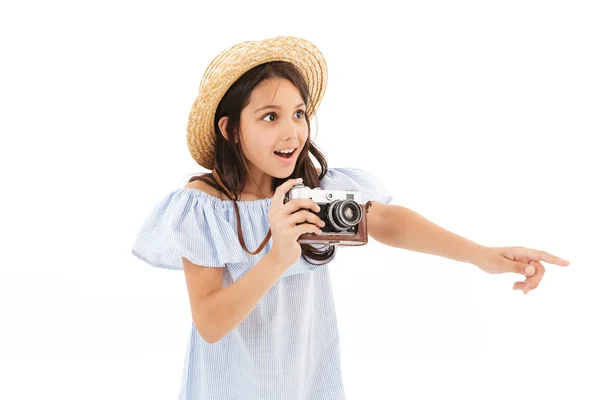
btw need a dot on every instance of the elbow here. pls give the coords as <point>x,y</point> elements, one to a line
<point>209,336</point>
<point>208,330</point>
<point>210,320</point>
<point>211,339</point>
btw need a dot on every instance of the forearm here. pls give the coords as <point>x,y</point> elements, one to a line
<point>228,307</point>
<point>405,228</point>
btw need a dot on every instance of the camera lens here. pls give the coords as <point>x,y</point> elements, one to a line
<point>344,214</point>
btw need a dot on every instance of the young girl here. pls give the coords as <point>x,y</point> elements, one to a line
<point>263,316</point>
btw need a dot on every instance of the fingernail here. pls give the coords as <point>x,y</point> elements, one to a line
<point>529,270</point>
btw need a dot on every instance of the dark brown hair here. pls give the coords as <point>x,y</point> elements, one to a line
<point>230,163</point>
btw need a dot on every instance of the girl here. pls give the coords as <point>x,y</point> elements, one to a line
<point>263,317</point>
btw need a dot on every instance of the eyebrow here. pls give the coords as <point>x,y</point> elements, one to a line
<point>275,106</point>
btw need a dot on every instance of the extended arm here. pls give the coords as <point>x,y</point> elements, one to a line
<point>401,227</point>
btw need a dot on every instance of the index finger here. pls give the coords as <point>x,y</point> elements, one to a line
<point>549,258</point>
<point>283,189</point>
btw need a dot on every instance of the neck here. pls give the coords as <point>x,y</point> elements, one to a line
<point>258,185</point>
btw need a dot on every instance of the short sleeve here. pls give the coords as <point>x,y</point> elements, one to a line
<point>186,225</point>
<point>359,180</point>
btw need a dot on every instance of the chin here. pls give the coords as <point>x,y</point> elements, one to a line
<point>283,173</point>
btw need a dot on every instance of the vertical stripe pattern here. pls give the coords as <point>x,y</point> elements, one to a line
<point>288,346</point>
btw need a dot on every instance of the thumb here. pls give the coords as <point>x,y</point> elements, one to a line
<point>523,269</point>
<point>282,190</point>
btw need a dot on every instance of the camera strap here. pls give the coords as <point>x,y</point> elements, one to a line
<point>239,223</point>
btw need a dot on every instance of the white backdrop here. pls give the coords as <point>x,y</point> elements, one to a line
<point>480,116</point>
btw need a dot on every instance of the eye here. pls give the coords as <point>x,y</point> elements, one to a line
<point>272,114</point>
<point>269,114</point>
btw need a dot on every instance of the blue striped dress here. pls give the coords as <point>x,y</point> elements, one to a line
<point>288,346</point>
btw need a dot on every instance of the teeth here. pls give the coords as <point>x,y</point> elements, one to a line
<point>285,151</point>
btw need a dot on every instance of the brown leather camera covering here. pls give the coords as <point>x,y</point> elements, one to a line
<point>358,239</point>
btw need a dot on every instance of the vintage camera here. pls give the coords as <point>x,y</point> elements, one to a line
<point>345,218</point>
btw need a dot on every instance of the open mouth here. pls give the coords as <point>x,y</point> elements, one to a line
<point>285,153</point>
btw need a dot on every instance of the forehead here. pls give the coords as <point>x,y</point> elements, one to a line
<point>275,91</point>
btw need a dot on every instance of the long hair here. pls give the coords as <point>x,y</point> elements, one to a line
<point>230,162</point>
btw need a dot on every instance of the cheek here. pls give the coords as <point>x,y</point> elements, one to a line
<point>303,136</point>
<point>255,146</point>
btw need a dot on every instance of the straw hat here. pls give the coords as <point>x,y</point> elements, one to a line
<point>231,64</point>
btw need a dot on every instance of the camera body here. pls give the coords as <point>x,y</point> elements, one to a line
<point>345,218</point>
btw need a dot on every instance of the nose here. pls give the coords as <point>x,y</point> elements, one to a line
<point>289,131</point>
<point>291,134</point>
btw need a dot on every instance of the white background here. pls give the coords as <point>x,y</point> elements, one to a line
<point>481,116</point>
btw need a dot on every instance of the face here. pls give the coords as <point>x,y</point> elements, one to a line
<point>271,125</point>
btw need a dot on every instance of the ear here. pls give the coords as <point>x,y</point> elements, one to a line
<point>223,128</point>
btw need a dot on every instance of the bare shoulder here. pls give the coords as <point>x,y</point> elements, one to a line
<point>206,188</point>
